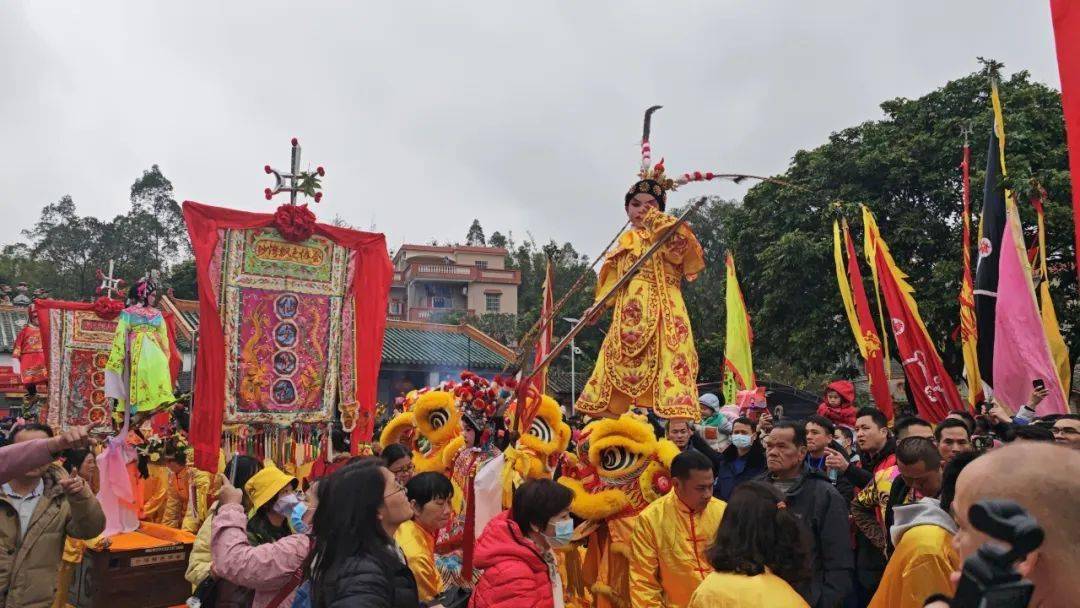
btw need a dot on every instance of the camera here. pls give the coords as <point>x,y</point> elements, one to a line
<point>988,578</point>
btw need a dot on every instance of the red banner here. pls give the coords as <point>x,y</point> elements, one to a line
<point>932,387</point>
<point>370,288</point>
<point>875,353</point>
<point>1066,16</point>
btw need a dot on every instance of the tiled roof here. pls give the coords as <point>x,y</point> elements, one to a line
<point>187,316</point>
<point>409,343</point>
<point>12,320</point>
<point>558,381</point>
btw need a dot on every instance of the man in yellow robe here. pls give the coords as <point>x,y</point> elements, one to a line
<point>667,548</point>
<point>648,358</point>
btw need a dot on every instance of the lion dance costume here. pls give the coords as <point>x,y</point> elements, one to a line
<point>622,468</point>
<point>430,422</point>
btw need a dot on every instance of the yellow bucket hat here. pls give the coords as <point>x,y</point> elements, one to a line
<point>265,485</point>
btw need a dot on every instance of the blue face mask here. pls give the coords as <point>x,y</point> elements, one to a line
<point>741,441</point>
<point>564,531</point>
<point>296,518</point>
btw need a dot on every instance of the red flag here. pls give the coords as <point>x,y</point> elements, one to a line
<point>875,354</point>
<point>969,331</point>
<point>934,391</point>
<point>543,343</point>
<point>1066,17</point>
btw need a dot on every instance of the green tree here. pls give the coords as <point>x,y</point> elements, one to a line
<point>904,168</point>
<point>475,236</point>
<point>182,280</point>
<point>497,240</point>
<point>65,243</point>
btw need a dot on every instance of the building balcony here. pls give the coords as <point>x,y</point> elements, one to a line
<point>436,315</point>
<point>455,273</point>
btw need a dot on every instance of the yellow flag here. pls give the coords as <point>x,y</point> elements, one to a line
<point>1051,328</point>
<point>738,361</point>
<point>845,290</point>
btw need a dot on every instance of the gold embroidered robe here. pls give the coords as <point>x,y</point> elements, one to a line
<point>648,358</point>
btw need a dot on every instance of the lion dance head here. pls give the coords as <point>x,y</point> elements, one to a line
<point>623,467</point>
<point>431,422</point>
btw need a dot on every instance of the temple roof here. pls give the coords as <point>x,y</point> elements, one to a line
<point>462,346</point>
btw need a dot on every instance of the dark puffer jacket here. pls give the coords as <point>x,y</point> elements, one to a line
<point>817,504</point>
<point>369,581</point>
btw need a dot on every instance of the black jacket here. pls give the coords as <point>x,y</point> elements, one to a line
<point>369,581</point>
<point>821,508</point>
<point>724,465</point>
<point>869,560</point>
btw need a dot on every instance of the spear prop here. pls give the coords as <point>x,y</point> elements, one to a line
<point>541,324</point>
<point>527,418</point>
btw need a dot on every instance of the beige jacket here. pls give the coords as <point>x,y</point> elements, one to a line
<point>28,566</point>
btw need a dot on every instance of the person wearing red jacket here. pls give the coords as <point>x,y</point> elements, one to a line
<point>515,550</point>
<point>838,403</point>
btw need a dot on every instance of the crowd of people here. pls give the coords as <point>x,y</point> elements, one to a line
<point>762,511</point>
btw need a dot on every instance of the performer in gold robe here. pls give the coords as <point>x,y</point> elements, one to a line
<point>648,358</point>
<point>671,536</point>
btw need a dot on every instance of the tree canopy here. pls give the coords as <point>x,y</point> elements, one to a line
<point>904,167</point>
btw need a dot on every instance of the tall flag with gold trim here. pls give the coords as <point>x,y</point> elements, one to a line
<point>990,229</point>
<point>933,389</point>
<point>861,320</point>
<point>969,333</point>
<point>738,360</point>
<point>1058,348</point>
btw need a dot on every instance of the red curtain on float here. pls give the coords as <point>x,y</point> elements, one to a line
<point>370,289</point>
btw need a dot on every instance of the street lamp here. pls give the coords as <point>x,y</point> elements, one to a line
<point>573,372</point>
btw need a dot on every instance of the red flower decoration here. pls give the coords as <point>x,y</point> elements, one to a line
<point>107,308</point>
<point>295,222</point>
<point>661,484</point>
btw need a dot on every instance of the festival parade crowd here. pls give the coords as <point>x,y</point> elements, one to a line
<point>486,492</point>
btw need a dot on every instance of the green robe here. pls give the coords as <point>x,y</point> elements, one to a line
<point>137,374</point>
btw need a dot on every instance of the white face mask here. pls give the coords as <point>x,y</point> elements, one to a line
<point>286,504</point>
<point>564,531</point>
<point>741,441</point>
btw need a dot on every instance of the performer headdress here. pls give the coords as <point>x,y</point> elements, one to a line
<point>141,290</point>
<point>653,180</point>
<point>477,399</point>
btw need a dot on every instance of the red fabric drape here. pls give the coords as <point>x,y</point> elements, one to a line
<point>1066,17</point>
<point>370,289</point>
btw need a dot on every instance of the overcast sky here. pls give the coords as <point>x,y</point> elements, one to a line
<point>428,114</point>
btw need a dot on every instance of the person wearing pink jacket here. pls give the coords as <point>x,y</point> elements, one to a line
<point>266,568</point>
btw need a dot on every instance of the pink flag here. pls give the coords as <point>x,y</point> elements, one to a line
<point>1021,353</point>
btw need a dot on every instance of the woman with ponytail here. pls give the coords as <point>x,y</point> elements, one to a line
<point>760,555</point>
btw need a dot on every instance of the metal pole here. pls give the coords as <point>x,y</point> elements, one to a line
<point>573,377</point>
<point>573,366</point>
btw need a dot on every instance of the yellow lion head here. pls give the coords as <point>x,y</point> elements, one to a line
<point>546,437</point>
<point>624,467</point>
<point>435,418</point>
